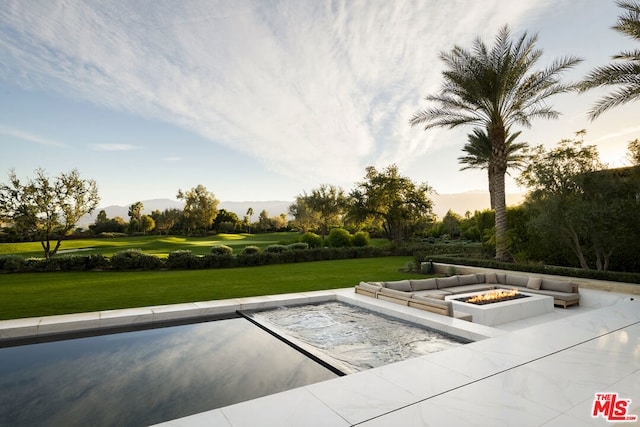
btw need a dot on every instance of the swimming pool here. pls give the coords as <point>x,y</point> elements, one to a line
<point>146,377</point>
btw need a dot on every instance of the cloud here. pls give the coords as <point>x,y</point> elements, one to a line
<point>315,90</point>
<point>114,147</point>
<point>30,137</point>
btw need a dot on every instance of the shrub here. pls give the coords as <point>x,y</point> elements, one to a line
<point>135,259</point>
<point>300,246</point>
<point>250,250</point>
<point>339,238</point>
<point>360,239</point>
<point>12,263</point>
<point>221,250</point>
<point>311,239</point>
<point>183,259</point>
<point>276,249</point>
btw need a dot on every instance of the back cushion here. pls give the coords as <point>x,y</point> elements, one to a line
<point>423,284</point>
<point>557,285</point>
<point>480,277</point>
<point>534,283</point>
<point>502,278</point>
<point>399,285</point>
<point>468,279</point>
<point>447,282</point>
<point>490,278</point>
<point>517,280</point>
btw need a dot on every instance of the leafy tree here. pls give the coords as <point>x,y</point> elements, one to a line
<point>624,75</point>
<point>479,155</point>
<point>201,208</point>
<point>557,195</point>
<point>263,221</point>
<point>393,199</point>
<point>304,218</point>
<point>495,89</point>
<point>147,223</point>
<point>324,207</point>
<point>46,207</point>
<point>167,219</point>
<point>225,217</point>
<point>135,214</point>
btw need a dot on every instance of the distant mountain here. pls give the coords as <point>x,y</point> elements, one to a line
<point>273,208</point>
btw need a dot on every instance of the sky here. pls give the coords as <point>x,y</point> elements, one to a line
<point>263,100</point>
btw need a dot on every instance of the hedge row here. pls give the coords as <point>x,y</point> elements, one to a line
<point>134,259</point>
<point>614,276</point>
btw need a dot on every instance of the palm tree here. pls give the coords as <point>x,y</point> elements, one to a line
<point>495,88</point>
<point>624,76</point>
<point>478,155</point>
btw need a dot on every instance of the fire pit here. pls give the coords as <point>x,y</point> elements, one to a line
<point>494,296</point>
<point>500,306</point>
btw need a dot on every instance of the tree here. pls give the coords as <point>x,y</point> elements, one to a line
<point>478,149</point>
<point>147,223</point>
<point>48,208</point>
<point>495,89</point>
<point>263,221</point>
<point>201,208</point>
<point>250,215</point>
<point>167,219</point>
<point>135,213</point>
<point>393,199</point>
<point>557,196</point>
<point>324,207</point>
<point>623,76</point>
<point>225,221</point>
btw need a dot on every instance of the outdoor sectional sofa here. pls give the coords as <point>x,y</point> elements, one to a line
<point>429,294</point>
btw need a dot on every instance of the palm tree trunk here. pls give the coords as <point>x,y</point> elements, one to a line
<point>492,191</point>
<point>498,137</point>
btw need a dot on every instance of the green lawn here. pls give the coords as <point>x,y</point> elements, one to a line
<point>43,294</point>
<point>159,245</point>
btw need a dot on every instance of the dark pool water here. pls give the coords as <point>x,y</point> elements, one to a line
<point>145,377</point>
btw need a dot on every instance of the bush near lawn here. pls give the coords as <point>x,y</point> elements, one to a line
<point>135,259</point>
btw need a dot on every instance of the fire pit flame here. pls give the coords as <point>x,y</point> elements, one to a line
<point>493,296</point>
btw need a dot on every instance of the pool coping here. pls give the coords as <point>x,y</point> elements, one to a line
<point>48,327</point>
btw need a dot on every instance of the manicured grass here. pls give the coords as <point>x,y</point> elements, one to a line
<point>43,294</point>
<point>159,245</point>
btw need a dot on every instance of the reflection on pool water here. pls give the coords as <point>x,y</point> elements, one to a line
<point>146,377</point>
<point>352,338</point>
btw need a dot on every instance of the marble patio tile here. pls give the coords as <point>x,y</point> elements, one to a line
<point>421,378</point>
<point>296,407</point>
<point>471,363</point>
<point>68,323</point>
<point>359,397</point>
<point>125,317</point>
<point>19,328</point>
<point>210,418</point>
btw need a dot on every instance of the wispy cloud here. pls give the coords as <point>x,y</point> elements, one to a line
<point>314,89</point>
<point>114,147</point>
<point>28,136</point>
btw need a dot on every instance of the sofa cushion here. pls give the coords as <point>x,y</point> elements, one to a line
<point>447,282</point>
<point>463,289</point>
<point>556,285</point>
<point>534,283</point>
<point>490,277</point>
<point>370,286</point>
<point>433,293</point>
<point>513,280</point>
<point>468,279</point>
<point>502,278</point>
<point>423,284</point>
<point>399,285</point>
<point>401,295</point>
<point>480,277</point>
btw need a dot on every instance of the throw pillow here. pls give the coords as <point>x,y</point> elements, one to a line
<point>534,283</point>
